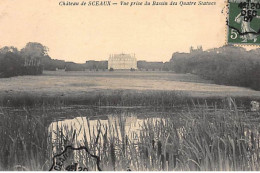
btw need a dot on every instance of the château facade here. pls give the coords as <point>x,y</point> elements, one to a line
<point>122,61</point>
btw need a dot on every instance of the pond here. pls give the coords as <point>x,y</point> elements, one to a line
<point>105,136</point>
<point>129,124</point>
<point>121,139</point>
<point>128,138</point>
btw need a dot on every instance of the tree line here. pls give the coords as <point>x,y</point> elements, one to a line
<point>228,65</point>
<point>34,58</point>
<point>14,62</point>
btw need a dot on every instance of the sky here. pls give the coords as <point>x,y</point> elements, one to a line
<point>81,33</point>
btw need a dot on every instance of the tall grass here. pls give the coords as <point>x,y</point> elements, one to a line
<point>24,141</point>
<point>197,139</point>
<point>116,98</point>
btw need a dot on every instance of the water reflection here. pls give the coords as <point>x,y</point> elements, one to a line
<point>104,136</point>
<point>122,125</point>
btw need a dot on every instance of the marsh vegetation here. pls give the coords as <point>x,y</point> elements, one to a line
<point>199,137</point>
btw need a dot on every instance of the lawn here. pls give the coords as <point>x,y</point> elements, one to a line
<point>62,83</point>
<point>110,87</point>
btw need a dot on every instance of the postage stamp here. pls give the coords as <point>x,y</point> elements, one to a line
<point>244,22</point>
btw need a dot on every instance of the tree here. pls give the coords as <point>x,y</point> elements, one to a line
<point>11,64</point>
<point>7,49</point>
<point>35,50</point>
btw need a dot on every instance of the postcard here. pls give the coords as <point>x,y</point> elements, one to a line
<point>129,85</point>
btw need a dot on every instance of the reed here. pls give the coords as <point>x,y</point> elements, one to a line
<point>149,98</point>
<point>196,139</point>
<point>24,144</point>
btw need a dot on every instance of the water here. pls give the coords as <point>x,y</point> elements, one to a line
<point>96,134</point>
<point>129,124</point>
<point>124,139</point>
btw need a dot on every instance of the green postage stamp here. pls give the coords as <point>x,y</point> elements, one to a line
<point>244,22</point>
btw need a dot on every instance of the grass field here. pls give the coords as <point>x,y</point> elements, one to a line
<point>94,87</point>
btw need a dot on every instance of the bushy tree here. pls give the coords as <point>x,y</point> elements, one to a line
<point>14,62</point>
<point>227,65</point>
<point>35,50</point>
<point>11,64</point>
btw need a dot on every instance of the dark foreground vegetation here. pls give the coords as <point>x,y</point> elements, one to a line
<point>196,139</point>
<point>227,65</point>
